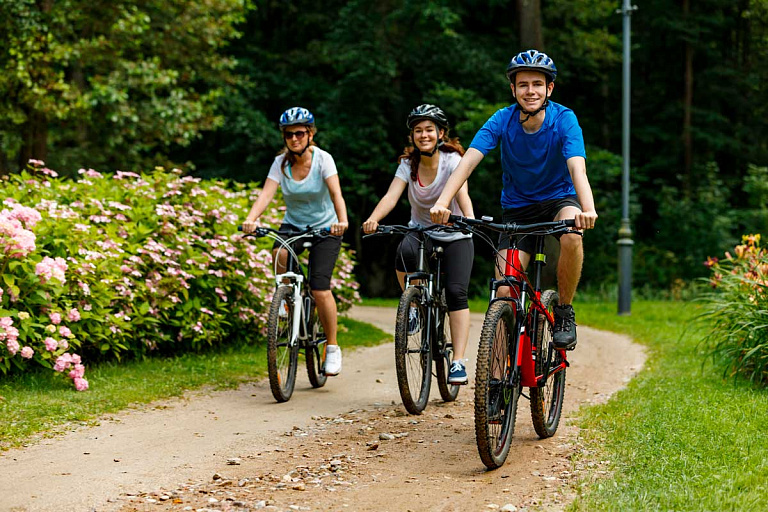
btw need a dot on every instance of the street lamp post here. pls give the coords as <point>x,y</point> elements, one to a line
<point>625,231</point>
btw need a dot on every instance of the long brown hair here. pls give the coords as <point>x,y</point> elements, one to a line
<point>290,158</point>
<point>412,153</point>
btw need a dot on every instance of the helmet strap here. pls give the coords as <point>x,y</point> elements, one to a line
<point>528,115</point>
<point>298,153</point>
<point>430,154</point>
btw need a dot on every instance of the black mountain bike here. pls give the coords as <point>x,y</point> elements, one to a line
<point>515,349</point>
<point>422,330</point>
<point>293,323</point>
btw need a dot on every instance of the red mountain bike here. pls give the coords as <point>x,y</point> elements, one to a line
<point>515,349</point>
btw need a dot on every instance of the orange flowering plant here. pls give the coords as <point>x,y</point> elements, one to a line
<point>737,307</point>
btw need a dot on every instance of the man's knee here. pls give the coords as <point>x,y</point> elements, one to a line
<point>570,243</point>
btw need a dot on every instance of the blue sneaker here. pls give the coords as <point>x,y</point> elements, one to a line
<point>458,373</point>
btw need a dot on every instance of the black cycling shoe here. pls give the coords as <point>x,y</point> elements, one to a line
<point>565,327</point>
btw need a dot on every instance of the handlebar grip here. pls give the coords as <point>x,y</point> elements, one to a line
<point>570,223</point>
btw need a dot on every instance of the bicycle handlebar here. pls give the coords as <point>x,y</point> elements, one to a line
<point>398,229</point>
<point>558,226</point>
<point>263,231</point>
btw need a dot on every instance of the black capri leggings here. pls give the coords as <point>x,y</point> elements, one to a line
<point>458,256</point>
<point>322,257</point>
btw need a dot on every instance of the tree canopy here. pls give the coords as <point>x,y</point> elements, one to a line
<point>127,84</point>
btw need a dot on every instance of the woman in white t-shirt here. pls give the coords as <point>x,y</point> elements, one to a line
<point>424,168</point>
<point>310,184</point>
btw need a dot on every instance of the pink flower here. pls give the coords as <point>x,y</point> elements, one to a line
<point>6,322</point>
<point>64,331</point>
<point>36,163</point>
<point>75,359</point>
<point>27,353</point>
<point>51,344</point>
<point>77,372</point>
<point>63,344</point>
<point>73,315</point>
<point>13,346</point>
<point>55,318</point>
<point>81,384</point>
<point>51,268</point>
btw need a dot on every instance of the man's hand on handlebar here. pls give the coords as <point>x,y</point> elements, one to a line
<point>586,220</point>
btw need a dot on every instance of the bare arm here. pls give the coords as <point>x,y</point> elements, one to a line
<point>386,205</point>
<point>339,205</point>
<point>469,161</point>
<point>261,203</point>
<point>465,203</point>
<point>577,166</point>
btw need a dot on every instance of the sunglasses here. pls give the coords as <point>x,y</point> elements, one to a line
<point>300,134</point>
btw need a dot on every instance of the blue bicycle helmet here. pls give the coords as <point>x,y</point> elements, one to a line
<point>532,60</point>
<point>296,115</point>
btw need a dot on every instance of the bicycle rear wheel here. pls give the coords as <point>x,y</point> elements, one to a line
<point>547,401</point>
<point>443,356</point>
<point>315,350</point>
<point>413,354</point>
<point>497,386</point>
<point>282,356</point>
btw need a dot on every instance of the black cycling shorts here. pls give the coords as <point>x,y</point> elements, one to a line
<point>546,211</point>
<point>322,256</point>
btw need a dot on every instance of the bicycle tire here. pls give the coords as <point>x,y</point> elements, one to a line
<point>442,357</point>
<point>495,401</point>
<point>547,401</point>
<point>413,354</point>
<point>282,358</point>
<point>315,350</point>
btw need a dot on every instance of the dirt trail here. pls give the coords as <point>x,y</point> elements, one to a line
<point>239,450</point>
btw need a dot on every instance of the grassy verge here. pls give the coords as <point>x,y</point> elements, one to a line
<point>38,403</point>
<point>680,437</point>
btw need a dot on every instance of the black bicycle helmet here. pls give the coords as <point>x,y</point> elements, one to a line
<point>532,60</point>
<point>297,115</point>
<point>427,112</point>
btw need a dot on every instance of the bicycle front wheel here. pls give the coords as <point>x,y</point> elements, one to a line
<point>315,350</point>
<point>497,386</point>
<point>547,401</point>
<point>282,355</point>
<point>413,354</point>
<point>443,356</point>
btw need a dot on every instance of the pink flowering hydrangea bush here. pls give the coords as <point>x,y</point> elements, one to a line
<point>121,264</point>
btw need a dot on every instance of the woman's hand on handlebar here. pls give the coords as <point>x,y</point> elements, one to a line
<point>339,228</point>
<point>370,226</point>
<point>439,214</point>
<point>249,226</point>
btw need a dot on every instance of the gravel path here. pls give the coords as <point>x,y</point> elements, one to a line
<point>347,446</point>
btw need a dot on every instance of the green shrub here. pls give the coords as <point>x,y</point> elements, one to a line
<point>125,265</point>
<point>738,310</point>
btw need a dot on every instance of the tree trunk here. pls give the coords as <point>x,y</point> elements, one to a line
<point>35,139</point>
<point>687,107</point>
<point>529,17</point>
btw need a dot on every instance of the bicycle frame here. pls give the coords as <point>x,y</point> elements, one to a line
<point>525,295</point>
<point>432,287</point>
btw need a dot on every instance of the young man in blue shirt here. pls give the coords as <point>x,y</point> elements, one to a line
<point>544,174</point>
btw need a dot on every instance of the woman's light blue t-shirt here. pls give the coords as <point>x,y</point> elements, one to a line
<point>307,202</point>
<point>533,164</point>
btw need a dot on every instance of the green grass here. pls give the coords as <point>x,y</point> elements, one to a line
<point>42,403</point>
<point>680,437</point>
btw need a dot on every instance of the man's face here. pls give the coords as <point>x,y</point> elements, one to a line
<point>531,89</point>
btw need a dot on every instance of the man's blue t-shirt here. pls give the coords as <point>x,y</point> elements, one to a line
<point>533,164</point>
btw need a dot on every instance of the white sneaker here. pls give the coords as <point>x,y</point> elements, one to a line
<point>283,311</point>
<point>332,360</point>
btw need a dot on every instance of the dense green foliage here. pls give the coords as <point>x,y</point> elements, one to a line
<point>111,266</point>
<point>737,311</point>
<point>679,437</point>
<point>117,83</point>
